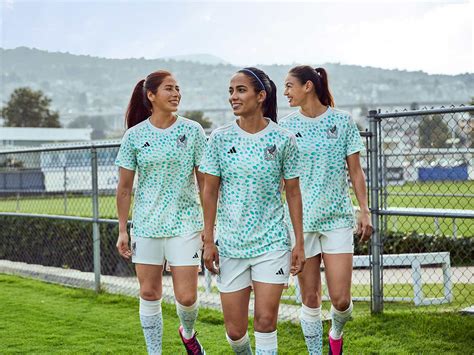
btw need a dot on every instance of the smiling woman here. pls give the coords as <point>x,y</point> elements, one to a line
<point>165,150</point>
<point>244,163</point>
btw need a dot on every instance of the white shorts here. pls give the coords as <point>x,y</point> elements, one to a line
<point>183,250</point>
<point>337,241</point>
<point>236,274</point>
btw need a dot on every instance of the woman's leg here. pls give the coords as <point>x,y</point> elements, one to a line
<point>338,270</point>
<point>310,316</point>
<point>235,306</point>
<point>184,255</point>
<point>185,281</point>
<point>267,302</point>
<point>150,279</point>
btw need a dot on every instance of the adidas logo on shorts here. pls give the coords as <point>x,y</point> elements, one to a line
<point>232,151</point>
<point>146,145</point>
<point>298,135</point>
<point>280,272</point>
<point>196,256</point>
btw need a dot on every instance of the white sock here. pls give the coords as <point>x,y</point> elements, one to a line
<point>339,319</point>
<point>152,325</point>
<point>266,343</point>
<point>240,346</point>
<point>312,327</point>
<point>187,315</point>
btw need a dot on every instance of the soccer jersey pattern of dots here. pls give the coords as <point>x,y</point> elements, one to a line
<point>250,218</point>
<point>324,143</point>
<point>166,199</point>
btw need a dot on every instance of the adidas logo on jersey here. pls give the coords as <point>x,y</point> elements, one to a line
<point>332,132</point>
<point>280,272</point>
<point>196,256</point>
<point>232,151</point>
<point>298,135</point>
<point>146,145</point>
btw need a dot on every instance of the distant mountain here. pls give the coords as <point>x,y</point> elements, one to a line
<point>86,85</point>
<point>198,58</point>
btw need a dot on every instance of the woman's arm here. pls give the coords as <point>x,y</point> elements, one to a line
<point>123,201</point>
<point>295,206</point>
<point>200,182</point>
<point>364,223</point>
<point>210,196</point>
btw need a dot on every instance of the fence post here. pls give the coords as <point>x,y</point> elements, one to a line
<point>376,292</point>
<point>95,223</point>
<point>65,188</point>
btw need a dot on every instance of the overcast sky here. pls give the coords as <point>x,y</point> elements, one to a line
<point>435,36</point>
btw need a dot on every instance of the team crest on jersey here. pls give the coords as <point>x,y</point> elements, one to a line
<point>270,152</point>
<point>182,141</point>
<point>332,132</point>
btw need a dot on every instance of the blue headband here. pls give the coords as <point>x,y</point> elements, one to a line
<point>256,77</point>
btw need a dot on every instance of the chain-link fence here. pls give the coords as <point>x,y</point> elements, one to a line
<point>59,224</point>
<point>422,196</point>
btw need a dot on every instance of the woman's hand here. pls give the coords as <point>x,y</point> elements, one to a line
<point>297,260</point>
<point>122,245</point>
<point>211,257</point>
<point>364,226</point>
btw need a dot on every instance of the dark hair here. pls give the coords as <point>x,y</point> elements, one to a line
<point>262,81</point>
<point>319,78</point>
<point>139,107</point>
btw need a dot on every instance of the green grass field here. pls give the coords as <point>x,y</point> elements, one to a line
<point>44,318</point>
<point>82,206</point>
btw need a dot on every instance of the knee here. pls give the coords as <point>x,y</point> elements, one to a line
<point>234,333</point>
<point>264,323</point>
<point>312,300</point>
<point>150,294</point>
<point>186,300</point>
<point>341,303</point>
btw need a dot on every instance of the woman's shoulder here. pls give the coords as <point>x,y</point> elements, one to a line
<point>191,124</point>
<point>132,132</point>
<point>286,120</point>
<point>222,130</point>
<point>341,114</point>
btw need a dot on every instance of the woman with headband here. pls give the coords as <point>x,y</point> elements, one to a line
<point>328,140</point>
<point>244,164</point>
<point>164,149</point>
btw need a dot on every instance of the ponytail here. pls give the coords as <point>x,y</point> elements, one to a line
<point>262,81</point>
<point>324,94</point>
<point>137,110</point>
<point>140,108</point>
<point>270,109</point>
<point>319,78</point>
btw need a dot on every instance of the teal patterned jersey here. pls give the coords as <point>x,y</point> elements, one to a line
<point>250,214</point>
<point>166,199</point>
<point>324,143</point>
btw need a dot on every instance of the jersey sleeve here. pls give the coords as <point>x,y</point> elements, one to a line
<point>291,159</point>
<point>210,163</point>
<point>199,146</point>
<point>127,157</point>
<point>354,141</point>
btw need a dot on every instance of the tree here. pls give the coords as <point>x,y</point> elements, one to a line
<point>97,123</point>
<point>198,116</point>
<point>29,108</point>
<point>433,132</point>
<point>414,106</point>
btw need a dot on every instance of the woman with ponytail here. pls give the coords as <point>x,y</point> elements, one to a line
<point>164,149</point>
<point>328,140</point>
<point>244,164</point>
